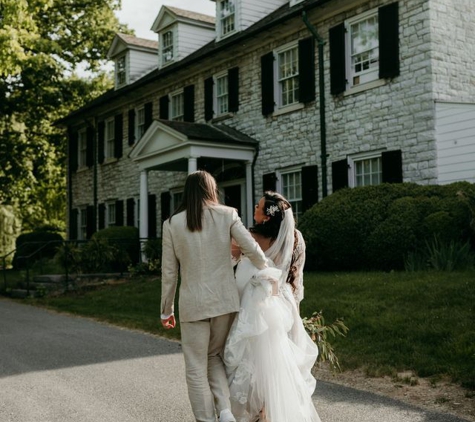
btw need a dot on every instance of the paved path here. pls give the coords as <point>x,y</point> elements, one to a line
<point>59,368</point>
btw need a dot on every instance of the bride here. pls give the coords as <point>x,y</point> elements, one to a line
<point>268,354</point>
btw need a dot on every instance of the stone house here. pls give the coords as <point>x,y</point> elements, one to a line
<point>300,96</point>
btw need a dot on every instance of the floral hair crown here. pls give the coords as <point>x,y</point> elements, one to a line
<point>272,210</point>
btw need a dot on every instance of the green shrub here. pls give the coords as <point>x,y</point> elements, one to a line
<point>36,245</point>
<point>152,250</point>
<point>377,227</point>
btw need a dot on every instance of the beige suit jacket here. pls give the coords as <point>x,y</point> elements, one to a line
<point>203,259</point>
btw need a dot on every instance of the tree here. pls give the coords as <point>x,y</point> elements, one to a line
<point>42,43</point>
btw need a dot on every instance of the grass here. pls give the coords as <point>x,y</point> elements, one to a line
<point>422,321</point>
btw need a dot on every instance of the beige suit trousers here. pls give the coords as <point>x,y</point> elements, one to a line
<point>203,344</point>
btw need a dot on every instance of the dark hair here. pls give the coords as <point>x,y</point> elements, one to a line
<point>200,190</point>
<point>274,207</point>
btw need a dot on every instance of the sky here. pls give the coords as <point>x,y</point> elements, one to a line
<point>139,15</point>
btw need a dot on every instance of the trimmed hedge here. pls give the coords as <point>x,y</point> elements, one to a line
<point>375,227</point>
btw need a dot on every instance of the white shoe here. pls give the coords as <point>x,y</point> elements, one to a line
<point>226,416</point>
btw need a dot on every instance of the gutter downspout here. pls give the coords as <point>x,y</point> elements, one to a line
<point>321,79</point>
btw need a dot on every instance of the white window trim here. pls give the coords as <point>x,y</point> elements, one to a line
<point>81,211</point>
<point>170,105</point>
<point>219,35</point>
<point>360,157</point>
<point>279,184</point>
<point>126,66</point>
<point>174,46</point>
<point>173,203</point>
<point>215,94</point>
<point>280,109</point>
<point>348,70</point>
<point>294,2</point>
<point>82,132</point>
<point>138,135</point>
<point>109,221</point>
<point>109,155</point>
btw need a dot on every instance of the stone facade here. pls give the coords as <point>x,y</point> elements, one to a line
<point>436,41</point>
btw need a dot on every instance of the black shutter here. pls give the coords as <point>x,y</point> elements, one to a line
<point>165,204</point>
<point>90,221</point>
<point>131,212</point>
<point>269,182</point>
<point>209,113</point>
<point>119,213</point>
<point>118,135</point>
<point>73,151</point>
<point>163,102</point>
<point>73,224</point>
<point>339,174</point>
<point>309,186</point>
<point>152,216</point>
<point>131,129</point>
<point>307,70</point>
<point>101,128</point>
<point>389,40</point>
<point>189,103</point>
<point>391,162</point>
<point>89,146</point>
<point>148,115</point>
<point>102,216</point>
<point>337,59</point>
<point>233,89</point>
<point>267,83</point>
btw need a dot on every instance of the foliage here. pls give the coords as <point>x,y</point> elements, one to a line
<point>36,245</point>
<point>42,43</point>
<point>376,227</point>
<point>10,229</point>
<point>319,332</point>
<point>152,250</point>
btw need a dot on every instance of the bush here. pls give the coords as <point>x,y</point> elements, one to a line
<point>152,250</point>
<point>36,245</point>
<point>376,227</point>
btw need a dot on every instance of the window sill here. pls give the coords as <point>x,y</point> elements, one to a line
<point>288,109</point>
<point>82,169</point>
<point>364,87</point>
<point>222,117</point>
<point>110,160</point>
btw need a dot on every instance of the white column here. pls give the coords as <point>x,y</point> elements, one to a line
<point>143,206</point>
<point>192,164</point>
<point>249,195</point>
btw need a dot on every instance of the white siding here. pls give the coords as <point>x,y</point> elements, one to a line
<point>251,11</point>
<point>455,132</point>
<point>191,38</point>
<point>141,63</point>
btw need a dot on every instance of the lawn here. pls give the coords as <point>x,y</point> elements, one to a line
<point>421,321</point>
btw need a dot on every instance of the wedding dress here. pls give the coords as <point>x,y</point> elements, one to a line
<point>268,354</point>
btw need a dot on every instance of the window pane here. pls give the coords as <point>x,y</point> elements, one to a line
<point>288,76</point>
<point>368,172</point>
<point>227,14</point>
<point>222,94</point>
<point>364,45</point>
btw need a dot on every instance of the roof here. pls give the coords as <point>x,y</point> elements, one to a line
<point>191,15</point>
<point>275,18</point>
<point>213,133</point>
<point>139,42</point>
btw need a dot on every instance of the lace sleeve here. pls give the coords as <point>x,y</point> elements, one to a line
<point>299,264</point>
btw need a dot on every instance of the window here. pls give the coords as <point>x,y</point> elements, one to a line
<point>362,47</point>
<point>177,106</point>
<point>140,122</point>
<point>111,214</point>
<point>167,47</point>
<point>121,71</point>
<point>366,170</point>
<point>176,198</point>
<point>364,50</point>
<point>291,188</point>
<point>82,148</point>
<point>221,94</point>
<point>288,76</point>
<point>226,17</point>
<point>137,212</point>
<point>109,138</point>
<point>82,229</point>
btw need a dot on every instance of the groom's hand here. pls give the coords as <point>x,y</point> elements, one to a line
<point>169,322</point>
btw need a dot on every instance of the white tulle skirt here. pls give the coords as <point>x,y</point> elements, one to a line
<point>268,354</point>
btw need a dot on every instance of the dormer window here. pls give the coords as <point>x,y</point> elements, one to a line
<point>121,71</point>
<point>227,17</point>
<point>167,47</point>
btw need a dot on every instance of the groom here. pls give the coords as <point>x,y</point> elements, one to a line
<point>209,297</point>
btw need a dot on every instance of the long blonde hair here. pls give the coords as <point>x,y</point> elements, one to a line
<point>200,190</point>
